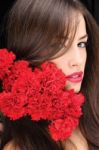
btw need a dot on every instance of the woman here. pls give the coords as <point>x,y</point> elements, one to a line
<point>62,32</point>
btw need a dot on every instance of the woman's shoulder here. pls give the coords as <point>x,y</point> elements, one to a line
<point>11,146</point>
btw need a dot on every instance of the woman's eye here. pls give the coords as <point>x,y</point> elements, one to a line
<point>82,44</point>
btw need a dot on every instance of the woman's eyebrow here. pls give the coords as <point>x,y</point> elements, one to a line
<point>85,36</point>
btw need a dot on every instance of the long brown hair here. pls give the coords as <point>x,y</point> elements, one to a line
<point>37,30</point>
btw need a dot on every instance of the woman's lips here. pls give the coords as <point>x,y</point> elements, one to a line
<point>75,77</point>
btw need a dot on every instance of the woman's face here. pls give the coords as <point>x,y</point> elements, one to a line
<point>73,61</point>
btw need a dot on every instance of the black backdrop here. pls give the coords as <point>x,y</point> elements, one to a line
<point>93,6</point>
<point>5,5</point>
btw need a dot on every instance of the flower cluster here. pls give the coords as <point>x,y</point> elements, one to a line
<point>39,93</point>
<point>6,61</point>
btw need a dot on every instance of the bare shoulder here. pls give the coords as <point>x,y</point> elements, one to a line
<point>11,146</point>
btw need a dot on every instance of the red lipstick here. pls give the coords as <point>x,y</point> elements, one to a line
<point>75,77</point>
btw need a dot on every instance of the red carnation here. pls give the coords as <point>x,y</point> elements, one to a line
<point>6,62</point>
<point>62,128</point>
<point>39,93</point>
<point>12,105</point>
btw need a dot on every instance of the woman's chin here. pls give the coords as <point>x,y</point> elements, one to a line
<point>76,87</point>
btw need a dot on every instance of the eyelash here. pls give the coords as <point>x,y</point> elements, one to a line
<point>84,44</point>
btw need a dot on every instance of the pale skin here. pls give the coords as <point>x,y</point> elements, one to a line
<point>73,60</point>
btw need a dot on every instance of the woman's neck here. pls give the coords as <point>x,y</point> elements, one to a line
<point>76,140</point>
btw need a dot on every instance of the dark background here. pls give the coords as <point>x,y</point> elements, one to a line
<point>5,5</point>
<point>93,7</point>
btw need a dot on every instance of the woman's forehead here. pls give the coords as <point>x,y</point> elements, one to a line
<point>78,27</point>
<point>81,27</point>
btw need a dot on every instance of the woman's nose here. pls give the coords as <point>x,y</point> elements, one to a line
<point>76,58</point>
